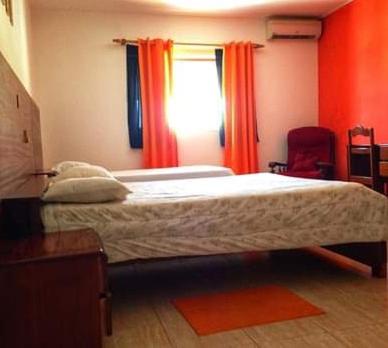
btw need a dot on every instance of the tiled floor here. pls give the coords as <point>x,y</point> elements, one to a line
<point>356,305</point>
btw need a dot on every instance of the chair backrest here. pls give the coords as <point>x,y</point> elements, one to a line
<point>317,141</point>
<point>365,132</point>
<point>363,159</point>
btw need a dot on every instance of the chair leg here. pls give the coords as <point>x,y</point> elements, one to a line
<point>379,186</point>
<point>379,270</point>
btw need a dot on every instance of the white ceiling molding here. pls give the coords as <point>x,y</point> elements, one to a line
<point>250,8</point>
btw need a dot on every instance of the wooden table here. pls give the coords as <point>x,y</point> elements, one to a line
<point>383,162</point>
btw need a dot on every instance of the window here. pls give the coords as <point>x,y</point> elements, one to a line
<point>196,104</point>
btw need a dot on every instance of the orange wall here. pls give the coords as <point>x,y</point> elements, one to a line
<point>353,72</point>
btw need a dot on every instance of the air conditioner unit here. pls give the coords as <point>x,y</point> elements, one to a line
<point>293,29</point>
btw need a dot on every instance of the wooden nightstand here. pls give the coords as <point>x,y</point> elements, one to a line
<point>53,291</point>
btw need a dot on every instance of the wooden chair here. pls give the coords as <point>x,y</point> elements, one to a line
<point>363,160</point>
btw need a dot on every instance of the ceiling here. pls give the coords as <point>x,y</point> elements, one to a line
<point>246,8</point>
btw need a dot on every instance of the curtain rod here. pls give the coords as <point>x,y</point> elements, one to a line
<point>134,42</point>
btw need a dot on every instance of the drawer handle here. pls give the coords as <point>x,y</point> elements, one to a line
<point>26,138</point>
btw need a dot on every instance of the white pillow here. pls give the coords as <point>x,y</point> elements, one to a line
<point>62,166</point>
<point>82,172</point>
<point>86,190</point>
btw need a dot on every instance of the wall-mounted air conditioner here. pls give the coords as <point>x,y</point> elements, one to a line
<point>293,29</point>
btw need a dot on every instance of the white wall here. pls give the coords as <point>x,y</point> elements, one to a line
<point>79,83</point>
<point>14,40</point>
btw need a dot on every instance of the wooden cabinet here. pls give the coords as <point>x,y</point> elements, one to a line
<point>53,291</point>
<point>384,160</point>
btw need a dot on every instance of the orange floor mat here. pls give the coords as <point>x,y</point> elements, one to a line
<point>213,313</point>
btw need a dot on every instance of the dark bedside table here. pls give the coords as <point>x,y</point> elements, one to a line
<point>53,291</point>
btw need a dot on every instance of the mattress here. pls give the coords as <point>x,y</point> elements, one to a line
<point>226,215</point>
<point>174,173</point>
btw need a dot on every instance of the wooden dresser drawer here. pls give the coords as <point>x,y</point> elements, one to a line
<point>383,152</point>
<point>384,169</point>
<point>53,292</point>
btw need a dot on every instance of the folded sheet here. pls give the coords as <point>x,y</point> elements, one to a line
<point>175,173</point>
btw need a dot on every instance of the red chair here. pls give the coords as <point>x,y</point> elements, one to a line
<point>310,154</point>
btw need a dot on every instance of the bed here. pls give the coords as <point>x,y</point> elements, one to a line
<point>174,173</point>
<point>227,215</point>
<point>187,217</point>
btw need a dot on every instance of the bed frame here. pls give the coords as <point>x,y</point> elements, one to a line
<point>21,186</point>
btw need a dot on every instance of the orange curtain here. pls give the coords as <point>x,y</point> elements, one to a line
<point>240,115</point>
<point>159,141</point>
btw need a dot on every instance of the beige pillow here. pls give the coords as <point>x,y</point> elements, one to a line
<point>82,172</point>
<point>65,165</point>
<point>86,190</point>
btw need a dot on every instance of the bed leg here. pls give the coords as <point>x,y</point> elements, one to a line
<point>379,270</point>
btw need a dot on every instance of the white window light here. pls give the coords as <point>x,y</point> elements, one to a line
<point>196,105</point>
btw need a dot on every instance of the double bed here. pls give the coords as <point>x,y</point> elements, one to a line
<point>188,217</point>
<point>227,215</point>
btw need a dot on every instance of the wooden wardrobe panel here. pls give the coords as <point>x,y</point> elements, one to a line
<point>36,137</point>
<point>20,142</point>
<point>8,88</point>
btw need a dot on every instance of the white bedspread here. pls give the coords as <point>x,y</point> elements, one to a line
<point>226,215</point>
<point>174,173</point>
